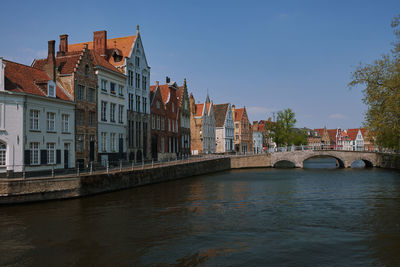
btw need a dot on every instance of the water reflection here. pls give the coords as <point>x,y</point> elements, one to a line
<point>237,218</point>
<point>321,163</point>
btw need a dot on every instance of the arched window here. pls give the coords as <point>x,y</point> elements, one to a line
<point>86,70</point>
<point>3,151</point>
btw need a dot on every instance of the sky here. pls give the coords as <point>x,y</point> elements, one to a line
<point>264,55</point>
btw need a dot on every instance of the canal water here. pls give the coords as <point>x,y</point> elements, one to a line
<point>252,217</point>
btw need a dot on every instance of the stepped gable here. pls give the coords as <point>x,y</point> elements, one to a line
<point>30,80</point>
<point>220,114</point>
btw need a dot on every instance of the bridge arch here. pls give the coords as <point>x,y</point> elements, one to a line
<point>284,163</point>
<point>368,163</point>
<point>339,162</point>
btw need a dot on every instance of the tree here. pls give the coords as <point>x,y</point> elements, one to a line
<point>282,130</point>
<point>382,94</point>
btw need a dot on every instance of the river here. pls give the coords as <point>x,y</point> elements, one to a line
<point>252,217</point>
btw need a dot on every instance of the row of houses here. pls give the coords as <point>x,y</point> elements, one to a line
<point>357,139</point>
<point>92,102</point>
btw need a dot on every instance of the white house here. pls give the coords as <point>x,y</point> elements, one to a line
<point>356,138</point>
<point>257,140</point>
<point>224,128</point>
<point>36,121</point>
<point>209,145</point>
<point>112,112</point>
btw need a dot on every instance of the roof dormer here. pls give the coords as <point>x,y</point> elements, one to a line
<point>51,89</point>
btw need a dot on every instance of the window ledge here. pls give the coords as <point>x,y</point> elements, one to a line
<point>51,131</point>
<point>66,132</point>
<point>36,131</point>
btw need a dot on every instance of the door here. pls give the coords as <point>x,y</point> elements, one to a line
<point>66,155</point>
<point>91,149</point>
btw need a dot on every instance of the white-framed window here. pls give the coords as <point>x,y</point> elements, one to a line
<point>158,104</point>
<point>112,112</point>
<point>137,80</point>
<point>130,78</point>
<point>103,141</point>
<point>80,92</point>
<point>144,104</point>
<point>163,123</point>
<point>130,96</point>
<point>34,119</point>
<point>80,143</point>
<point>103,111</point>
<point>120,113</point>
<point>3,153</point>
<point>51,90</point>
<point>65,123</point>
<point>137,61</point>
<point>120,90</point>
<point>51,153</point>
<point>158,122</point>
<point>144,82</point>
<point>112,88</point>
<point>153,122</point>
<point>112,142</point>
<point>34,153</point>
<point>104,85</point>
<point>51,118</point>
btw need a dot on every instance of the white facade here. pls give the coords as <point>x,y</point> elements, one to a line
<point>112,115</point>
<point>36,132</point>
<point>138,101</point>
<point>358,144</point>
<point>257,142</point>
<point>209,145</point>
<point>225,134</point>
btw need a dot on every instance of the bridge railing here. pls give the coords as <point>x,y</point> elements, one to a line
<point>329,148</point>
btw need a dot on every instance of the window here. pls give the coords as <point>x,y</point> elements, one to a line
<point>112,112</point>
<point>34,147</point>
<point>80,117</point>
<point>144,104</point>
<point>130,96</point>
<point>169,125</point>
<point>137,103</point>
<point>104,85</point>
<point>103,111</point>
<point>137,83</point>
<point>163,123</point>
<point>173,107</point>
<point>34,119</point>
<point>162,144</point>
<point>144,82</point>
<point>3,151</point>
<point>130,78</point>
<point>80,93</point>
<point>65,123</point>
<point>137,61</point>
<point>120,113</point>
<point>158,122</point>
<point>176,125</point>
<point>153,122</point>
<point>112,88</point>
<point>121,90</point>
<point>51,117</point>
<point>51,91</point>
<point>92,118</point>
<point>92,95</point>
<point>79,143</point>
<point>51,159</point>
<point>112,142</point>
<point>158,104</point>
<point>103,141</point>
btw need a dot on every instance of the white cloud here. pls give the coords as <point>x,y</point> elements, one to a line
<point>283,16</point>
<point>337,116</point>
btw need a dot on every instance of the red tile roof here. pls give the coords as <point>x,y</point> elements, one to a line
<point>164,89</point>
<point>199,110</point>
<point>30,80</point>
<point>239,114</point>
<point>65,64</point>
<point>220,114</point>
<point>208,107</point>
<point>122,44</point>
<point>352,133</point>
<point>332,134</point>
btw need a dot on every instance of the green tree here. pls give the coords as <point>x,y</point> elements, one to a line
<point>282,131</point>
<point>381,81</point>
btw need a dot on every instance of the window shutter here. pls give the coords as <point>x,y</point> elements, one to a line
<point>27,157</point>
<point>43,156</point>
<point>58,156</point>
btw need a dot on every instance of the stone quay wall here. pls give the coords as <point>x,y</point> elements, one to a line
<point>39,189</point>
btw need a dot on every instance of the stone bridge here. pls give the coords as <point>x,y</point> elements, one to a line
<point>344,158</point>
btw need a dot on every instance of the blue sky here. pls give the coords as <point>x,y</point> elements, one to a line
<point>265,55</point>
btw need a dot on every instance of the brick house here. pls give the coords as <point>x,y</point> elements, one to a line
<point>243,130</point>
<point>202,127</point>
<point>325,139</point>
<point>184,120</point>
<point>75,72</point>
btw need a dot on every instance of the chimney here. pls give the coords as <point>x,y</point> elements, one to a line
<point>167,79</point>
<point>2,67</point>
<point>51,60</point>
<point>63,48</point>
<point>100,42</point>
<point>157,83</point>
<point>233,112</point>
